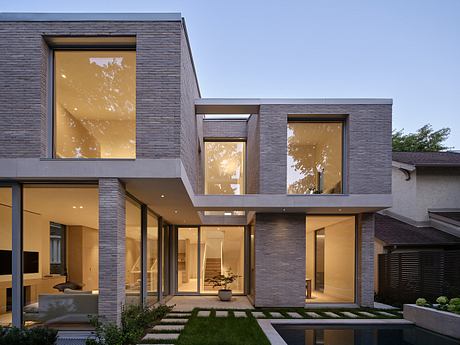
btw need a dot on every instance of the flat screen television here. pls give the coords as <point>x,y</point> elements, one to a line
<point>30,262</point>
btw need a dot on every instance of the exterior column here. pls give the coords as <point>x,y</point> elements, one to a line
<point>366,260</point>
<point>111,248</point>
<point>280,260</point>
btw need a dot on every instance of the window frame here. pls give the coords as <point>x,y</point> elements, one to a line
<point>226,140</point>
<point>342,119</point>
<point>51,123</point>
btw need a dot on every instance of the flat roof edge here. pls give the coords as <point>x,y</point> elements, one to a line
<point>77,17</point>
<point>262,101</point>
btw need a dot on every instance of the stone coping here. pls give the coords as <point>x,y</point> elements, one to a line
<point>275,339</point>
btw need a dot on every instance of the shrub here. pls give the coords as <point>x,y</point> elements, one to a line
<point>442,300</point>
<point>32,336</point>
<point>135,320</point>
<point>421,302</point>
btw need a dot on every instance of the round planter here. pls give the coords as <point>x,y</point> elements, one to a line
<point>225,295</point>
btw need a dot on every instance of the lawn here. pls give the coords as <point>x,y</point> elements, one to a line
<point>223,331</point>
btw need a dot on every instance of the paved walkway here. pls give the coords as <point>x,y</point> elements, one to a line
<point>188,303</point>
<point>168,330</point>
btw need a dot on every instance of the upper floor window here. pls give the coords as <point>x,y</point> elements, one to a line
<point>314,157</point>
<point>94,104</point>
<point>225,167</point>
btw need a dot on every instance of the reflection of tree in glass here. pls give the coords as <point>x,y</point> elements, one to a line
<point>315,149</point>
<point>99,90</point>
<point>224,168</point>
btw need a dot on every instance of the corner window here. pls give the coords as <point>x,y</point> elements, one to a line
<point>94,104</point>
<point>314,157</point>
<point>225,167</point>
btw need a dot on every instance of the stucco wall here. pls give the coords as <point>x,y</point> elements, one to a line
<point>368,148</point>
<point>24,76</point>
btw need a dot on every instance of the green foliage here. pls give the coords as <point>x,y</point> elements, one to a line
<point>223,280</point>
<point>135,320</point>
<point>425,139</point>
<point>421,302</point>
<point>442,300</point>
<point>27,336</point>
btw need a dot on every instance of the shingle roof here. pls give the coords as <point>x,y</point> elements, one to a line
<point>428,158</point>
<point>394,232</point>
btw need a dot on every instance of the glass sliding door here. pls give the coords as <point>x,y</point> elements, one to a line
<point>187,260</point>
<point>133,266</point>
<point>222,252</point>
<point>6,301</point>
<point>319,260</point>
<point>152,258</point>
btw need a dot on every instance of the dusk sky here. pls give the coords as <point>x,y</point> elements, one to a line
<point>406,50</point>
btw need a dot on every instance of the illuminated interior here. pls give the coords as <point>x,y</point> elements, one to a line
<point>330,258</point>
<point>314,158</point>
<point>95,104</point>
<point>225,167</point>
<point>133,265</point>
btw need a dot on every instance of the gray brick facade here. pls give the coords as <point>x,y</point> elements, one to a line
<point>365,247</point>
<point>280,260</point>
<point>111,248</point>
<point>24,71</point>
<point>368,145</point>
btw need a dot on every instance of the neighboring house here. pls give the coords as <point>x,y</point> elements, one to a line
<point>420,233</point>
<point>118,179</point>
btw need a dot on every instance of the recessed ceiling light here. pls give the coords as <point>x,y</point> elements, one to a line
<point>227,213</point>
<point>176,211</point>
<point>75,109</point>
<point>284,210</point>
<point>162,196</point>
<point>340,210</point>
<point>63,76</point>
<point>81,206</point>
<point>74,206</point>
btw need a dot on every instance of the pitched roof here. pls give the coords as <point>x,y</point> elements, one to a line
<point>428,158</point>
<point>395,232</point>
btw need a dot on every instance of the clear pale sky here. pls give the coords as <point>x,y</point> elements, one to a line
<point>408,50</point>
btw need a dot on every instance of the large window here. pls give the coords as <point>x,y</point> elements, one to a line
<point>225,167</point>
<point>330,258</point>
<point>314,157</point>
<point>133,252</point>
<point>6,301</point>
<point>95,104</point>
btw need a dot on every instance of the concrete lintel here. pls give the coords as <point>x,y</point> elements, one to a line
<point>75,169</point>
<point>85,17</point>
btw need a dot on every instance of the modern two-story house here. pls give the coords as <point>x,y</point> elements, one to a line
<point>120,184</point>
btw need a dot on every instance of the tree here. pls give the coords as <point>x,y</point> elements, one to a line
<point>425,139</point>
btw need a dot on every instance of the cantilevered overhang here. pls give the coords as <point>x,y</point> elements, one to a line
<point>353,203</point>
<point>252,105</point>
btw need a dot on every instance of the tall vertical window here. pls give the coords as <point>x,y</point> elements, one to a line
<point>152,258</point>
<point>314,157</point>
<point>95,104</point>
<point>133,252</point>
<point>225,167</point>
<point>57,248</point>
<point>6,301</point>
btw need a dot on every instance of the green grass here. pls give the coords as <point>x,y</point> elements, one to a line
<point>222,331</point>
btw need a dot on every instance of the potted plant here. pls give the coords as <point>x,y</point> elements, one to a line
<point>223,280</point>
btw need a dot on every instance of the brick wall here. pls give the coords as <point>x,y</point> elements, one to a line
<point>280,260</point>
<point>225,129</point>
<point>24,91</point>
<point>365,247</point>
<point>368,145</point>
<point>111,248</point>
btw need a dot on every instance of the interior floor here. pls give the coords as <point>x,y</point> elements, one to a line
<point>320,297</point>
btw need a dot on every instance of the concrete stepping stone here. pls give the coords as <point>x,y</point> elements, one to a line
<point>180,321</point>
<point>331,314</point>
<point>258,315</point>
<point>175,315</point>
<point>365,313</point>
<point>313,315</point>
<point>348,314</point>
<point>168,328</point>
<point>295,315</point>
<point>204,313</point>
<point>161,336</point>
<point>240,314</point>
<point>221,313</point>
<point>277,315</point>
<point>384,313</point>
